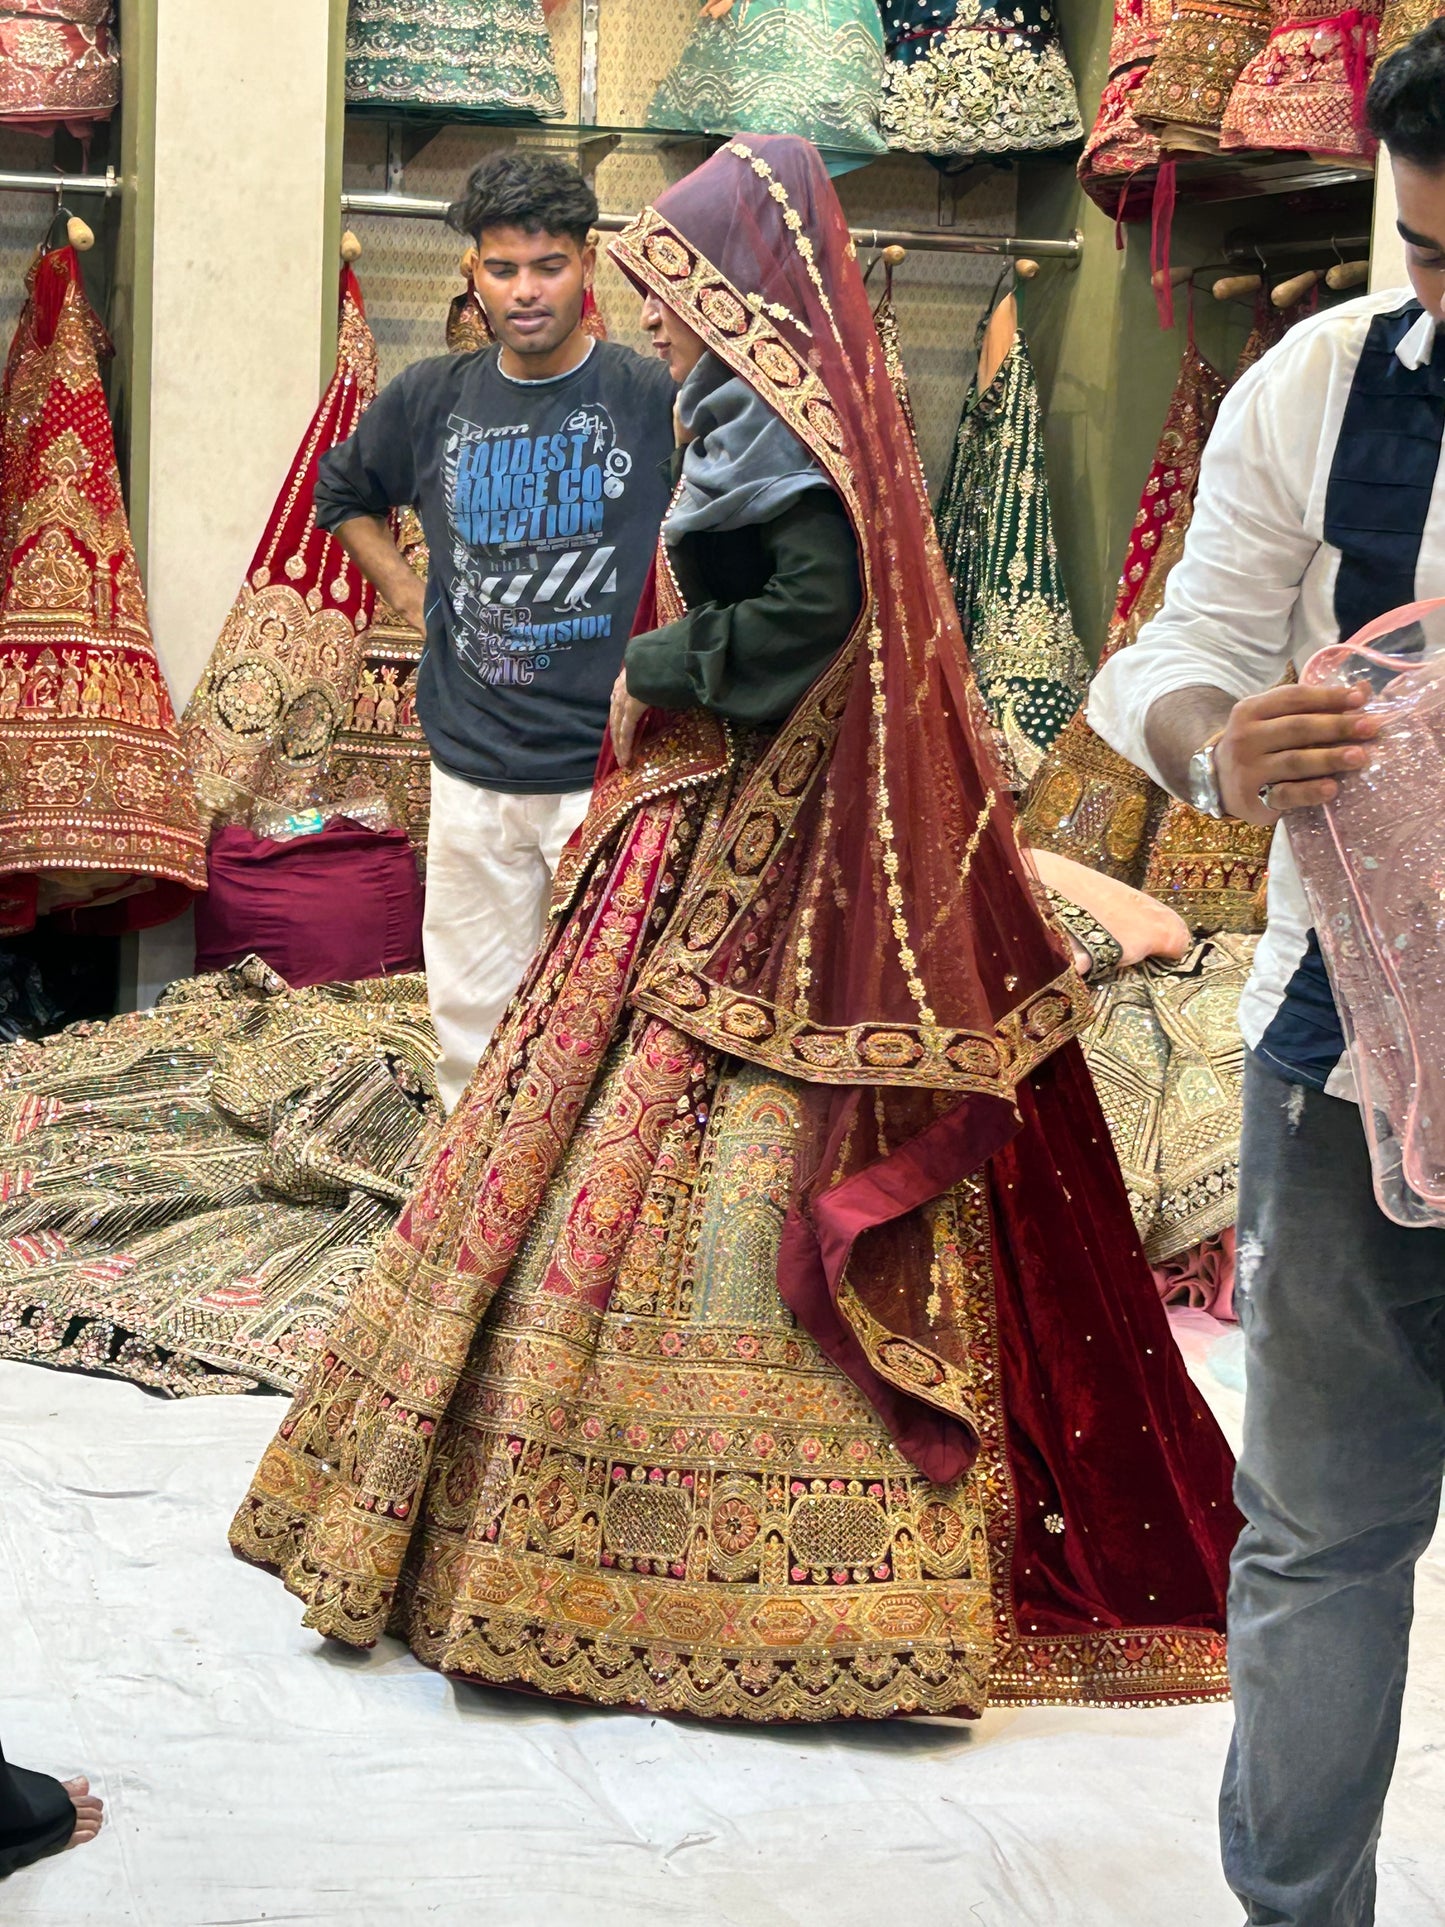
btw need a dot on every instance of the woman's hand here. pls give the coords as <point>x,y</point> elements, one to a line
<point>626,714</point>
<point>1286,749</point>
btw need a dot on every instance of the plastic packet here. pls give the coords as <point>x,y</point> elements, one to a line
<point>1373,864</point>
<point>282,824</point>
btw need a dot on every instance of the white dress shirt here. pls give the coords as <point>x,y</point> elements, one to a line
<point>1254,589</point>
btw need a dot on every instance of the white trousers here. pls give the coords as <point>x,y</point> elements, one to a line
<point>490,858</point>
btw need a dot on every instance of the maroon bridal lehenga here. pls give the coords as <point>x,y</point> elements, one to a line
<point>768,1336</point>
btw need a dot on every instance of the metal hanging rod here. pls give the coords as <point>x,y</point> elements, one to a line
<point>104,184</point>
<point>415,207</point>
<point>1244,252</point>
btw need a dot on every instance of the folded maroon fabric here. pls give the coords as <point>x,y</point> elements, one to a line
<point>330,908</point>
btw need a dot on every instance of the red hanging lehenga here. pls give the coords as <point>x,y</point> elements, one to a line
<point>768,1337</point>
<point>96,814</point>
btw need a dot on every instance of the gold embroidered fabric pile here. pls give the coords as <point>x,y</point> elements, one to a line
<point>188,1194</point>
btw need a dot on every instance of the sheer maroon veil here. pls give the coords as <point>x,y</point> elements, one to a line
<point>866,923</point>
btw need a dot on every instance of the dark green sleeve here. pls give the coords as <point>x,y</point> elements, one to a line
<point>751,661</point>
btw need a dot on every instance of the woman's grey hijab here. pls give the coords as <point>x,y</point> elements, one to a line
<point>743,465</point>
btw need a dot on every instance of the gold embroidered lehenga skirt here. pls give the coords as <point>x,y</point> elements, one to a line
<point>565,1435</point>
<point>187,1193</point>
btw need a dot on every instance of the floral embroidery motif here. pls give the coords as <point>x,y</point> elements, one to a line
<point>988,80</point>
<point>59,70</point>
<point>1204,49</point>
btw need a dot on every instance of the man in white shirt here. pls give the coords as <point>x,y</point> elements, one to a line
<point>1321,504</point>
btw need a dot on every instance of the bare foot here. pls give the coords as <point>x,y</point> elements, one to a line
<point>89,1811</point>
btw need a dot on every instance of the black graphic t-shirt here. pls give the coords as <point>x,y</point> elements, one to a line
<point>541,503</point>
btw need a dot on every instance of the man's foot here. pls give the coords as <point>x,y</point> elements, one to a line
<point>89,1811</point>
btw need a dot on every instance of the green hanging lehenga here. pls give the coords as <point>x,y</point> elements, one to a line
<point>465,59</point>
<point>810,67</point>
<point>995,527</point>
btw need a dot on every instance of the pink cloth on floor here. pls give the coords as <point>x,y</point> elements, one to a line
<point>334,907</point>
<point>1202,1277</point>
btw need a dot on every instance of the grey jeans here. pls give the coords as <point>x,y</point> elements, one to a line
<point>1344,1442</point>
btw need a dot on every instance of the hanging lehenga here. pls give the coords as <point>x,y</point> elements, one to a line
<point>809,67</point>
<point>1118,147</point>
<point>729,1357</point>
<point>59,65</point>
<point>464,59</point>
<point>379,753</point>
<point>96,817</point>
<point>1306,87</point>
<point>260,725</point>
<point>1164,1047</point>
<point>995,527</point>
<point>1203,50</point>
<point>966,78</point>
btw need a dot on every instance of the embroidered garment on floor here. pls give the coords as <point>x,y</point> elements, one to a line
<point>259,727</point>
<point>94,806</point>
<point>187,1193</point>
<point>810,67</point>
<point>970,78</point>
<point>995,527</point>
<point>722,1360</point>
<point>464,59</point>
<point>1205,47</point>
<point>59,65</point>
<point>1306,88</point>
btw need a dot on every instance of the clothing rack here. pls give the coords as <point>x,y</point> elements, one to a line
<point>106,184</point>
<point>415,207</point>
<point>1242,250</point>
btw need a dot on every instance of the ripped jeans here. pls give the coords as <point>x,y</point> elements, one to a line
<point>1339,1480</point>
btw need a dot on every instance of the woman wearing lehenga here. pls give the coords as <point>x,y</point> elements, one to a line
<point>768,1337</point>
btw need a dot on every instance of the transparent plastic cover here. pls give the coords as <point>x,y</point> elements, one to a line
<point>1373,864</point>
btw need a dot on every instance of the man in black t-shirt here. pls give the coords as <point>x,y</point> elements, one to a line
<point>539,469</point>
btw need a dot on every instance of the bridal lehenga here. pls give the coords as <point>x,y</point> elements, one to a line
<point>767,1336</point>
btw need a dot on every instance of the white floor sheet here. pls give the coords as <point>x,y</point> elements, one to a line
<point>253,1774</point>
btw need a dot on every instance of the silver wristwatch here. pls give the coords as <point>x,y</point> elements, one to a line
<point>1204,781</point>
